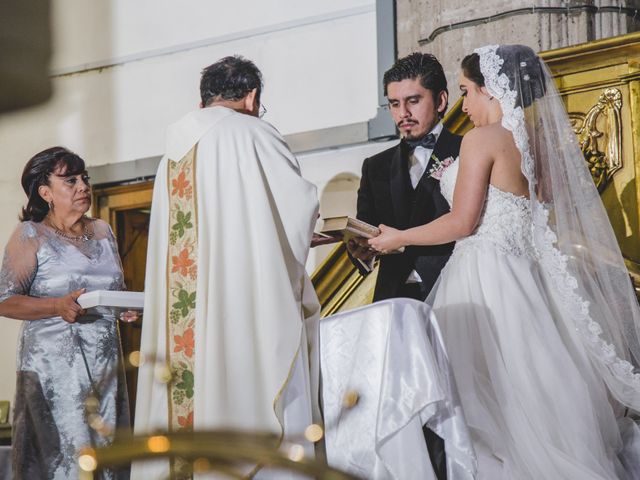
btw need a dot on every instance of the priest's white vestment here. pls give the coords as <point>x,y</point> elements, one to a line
<point>228,304</point>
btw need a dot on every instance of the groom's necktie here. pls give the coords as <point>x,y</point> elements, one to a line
<point>420,158</point>
<point>427,141</point>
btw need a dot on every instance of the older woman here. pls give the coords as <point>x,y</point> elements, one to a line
<point>64,356</point>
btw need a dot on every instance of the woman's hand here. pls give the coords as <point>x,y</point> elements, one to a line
<point>389,239</point>
<point>67,307</point>
<point>129,316</point>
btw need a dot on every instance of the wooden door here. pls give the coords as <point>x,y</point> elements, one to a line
<point>127,210</point>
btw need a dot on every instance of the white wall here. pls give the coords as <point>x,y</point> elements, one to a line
<point>318,61</point>
<point>336,174</point>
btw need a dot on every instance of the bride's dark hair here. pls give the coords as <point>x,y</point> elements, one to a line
<point>471,69</point>
<point>526,77</point>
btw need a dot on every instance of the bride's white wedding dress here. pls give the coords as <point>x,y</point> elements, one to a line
<point>536,407</point>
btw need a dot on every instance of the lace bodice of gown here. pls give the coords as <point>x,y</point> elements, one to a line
<point>505,222</point>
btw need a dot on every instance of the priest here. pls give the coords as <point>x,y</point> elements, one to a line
<point>229,307</point>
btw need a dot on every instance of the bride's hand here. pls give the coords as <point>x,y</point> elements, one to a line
<point>389,239</point>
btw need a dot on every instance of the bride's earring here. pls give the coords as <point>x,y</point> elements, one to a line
<point>50,206</point>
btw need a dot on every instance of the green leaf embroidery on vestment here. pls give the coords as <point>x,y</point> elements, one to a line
<point>185,302</point>
<point>183,222</point>
<point>187,383</point>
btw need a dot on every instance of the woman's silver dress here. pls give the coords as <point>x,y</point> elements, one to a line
<point>59,363</point>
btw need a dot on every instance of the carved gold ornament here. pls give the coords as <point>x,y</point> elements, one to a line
<point>600,136</point>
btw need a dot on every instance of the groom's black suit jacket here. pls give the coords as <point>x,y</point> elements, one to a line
<point>387,196</point>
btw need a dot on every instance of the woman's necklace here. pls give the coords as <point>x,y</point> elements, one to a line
<point>86,235</point>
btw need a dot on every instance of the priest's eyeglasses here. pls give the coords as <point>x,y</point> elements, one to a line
<point>262,110</point>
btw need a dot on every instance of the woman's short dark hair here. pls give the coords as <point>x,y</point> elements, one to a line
<point>230,78</point>
<point>423,66</point>
<point>37,172</point>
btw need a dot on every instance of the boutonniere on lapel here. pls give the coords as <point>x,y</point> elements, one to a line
<point>439,166</point>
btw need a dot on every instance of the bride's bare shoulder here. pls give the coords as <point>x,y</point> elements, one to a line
<point>488,136</point>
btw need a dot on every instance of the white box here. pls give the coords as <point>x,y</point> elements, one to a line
<point>112,298</point>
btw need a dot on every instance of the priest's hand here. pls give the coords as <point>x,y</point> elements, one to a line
<point>390,239</point>
<point>321,239</point>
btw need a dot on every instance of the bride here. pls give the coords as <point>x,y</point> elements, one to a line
<point>539,316</point>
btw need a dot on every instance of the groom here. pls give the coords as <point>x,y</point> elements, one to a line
<point>399,186</point>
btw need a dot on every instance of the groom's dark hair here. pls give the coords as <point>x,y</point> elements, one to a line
<point>423,66</point>
<point>230,78</point>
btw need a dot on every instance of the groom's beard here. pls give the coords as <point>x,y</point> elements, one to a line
<point>410,134</point>
<point>412,137</point>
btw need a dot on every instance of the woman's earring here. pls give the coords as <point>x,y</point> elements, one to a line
<point>51,206</point>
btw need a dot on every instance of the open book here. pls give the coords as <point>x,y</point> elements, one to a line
<point>111,301</point>
<point>341,229</point>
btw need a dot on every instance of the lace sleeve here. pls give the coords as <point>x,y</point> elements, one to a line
<point>20,263</point>
<point>113,243</point>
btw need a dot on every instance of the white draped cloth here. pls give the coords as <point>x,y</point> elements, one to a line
<point>392,355</point>
<point>256,312</point>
